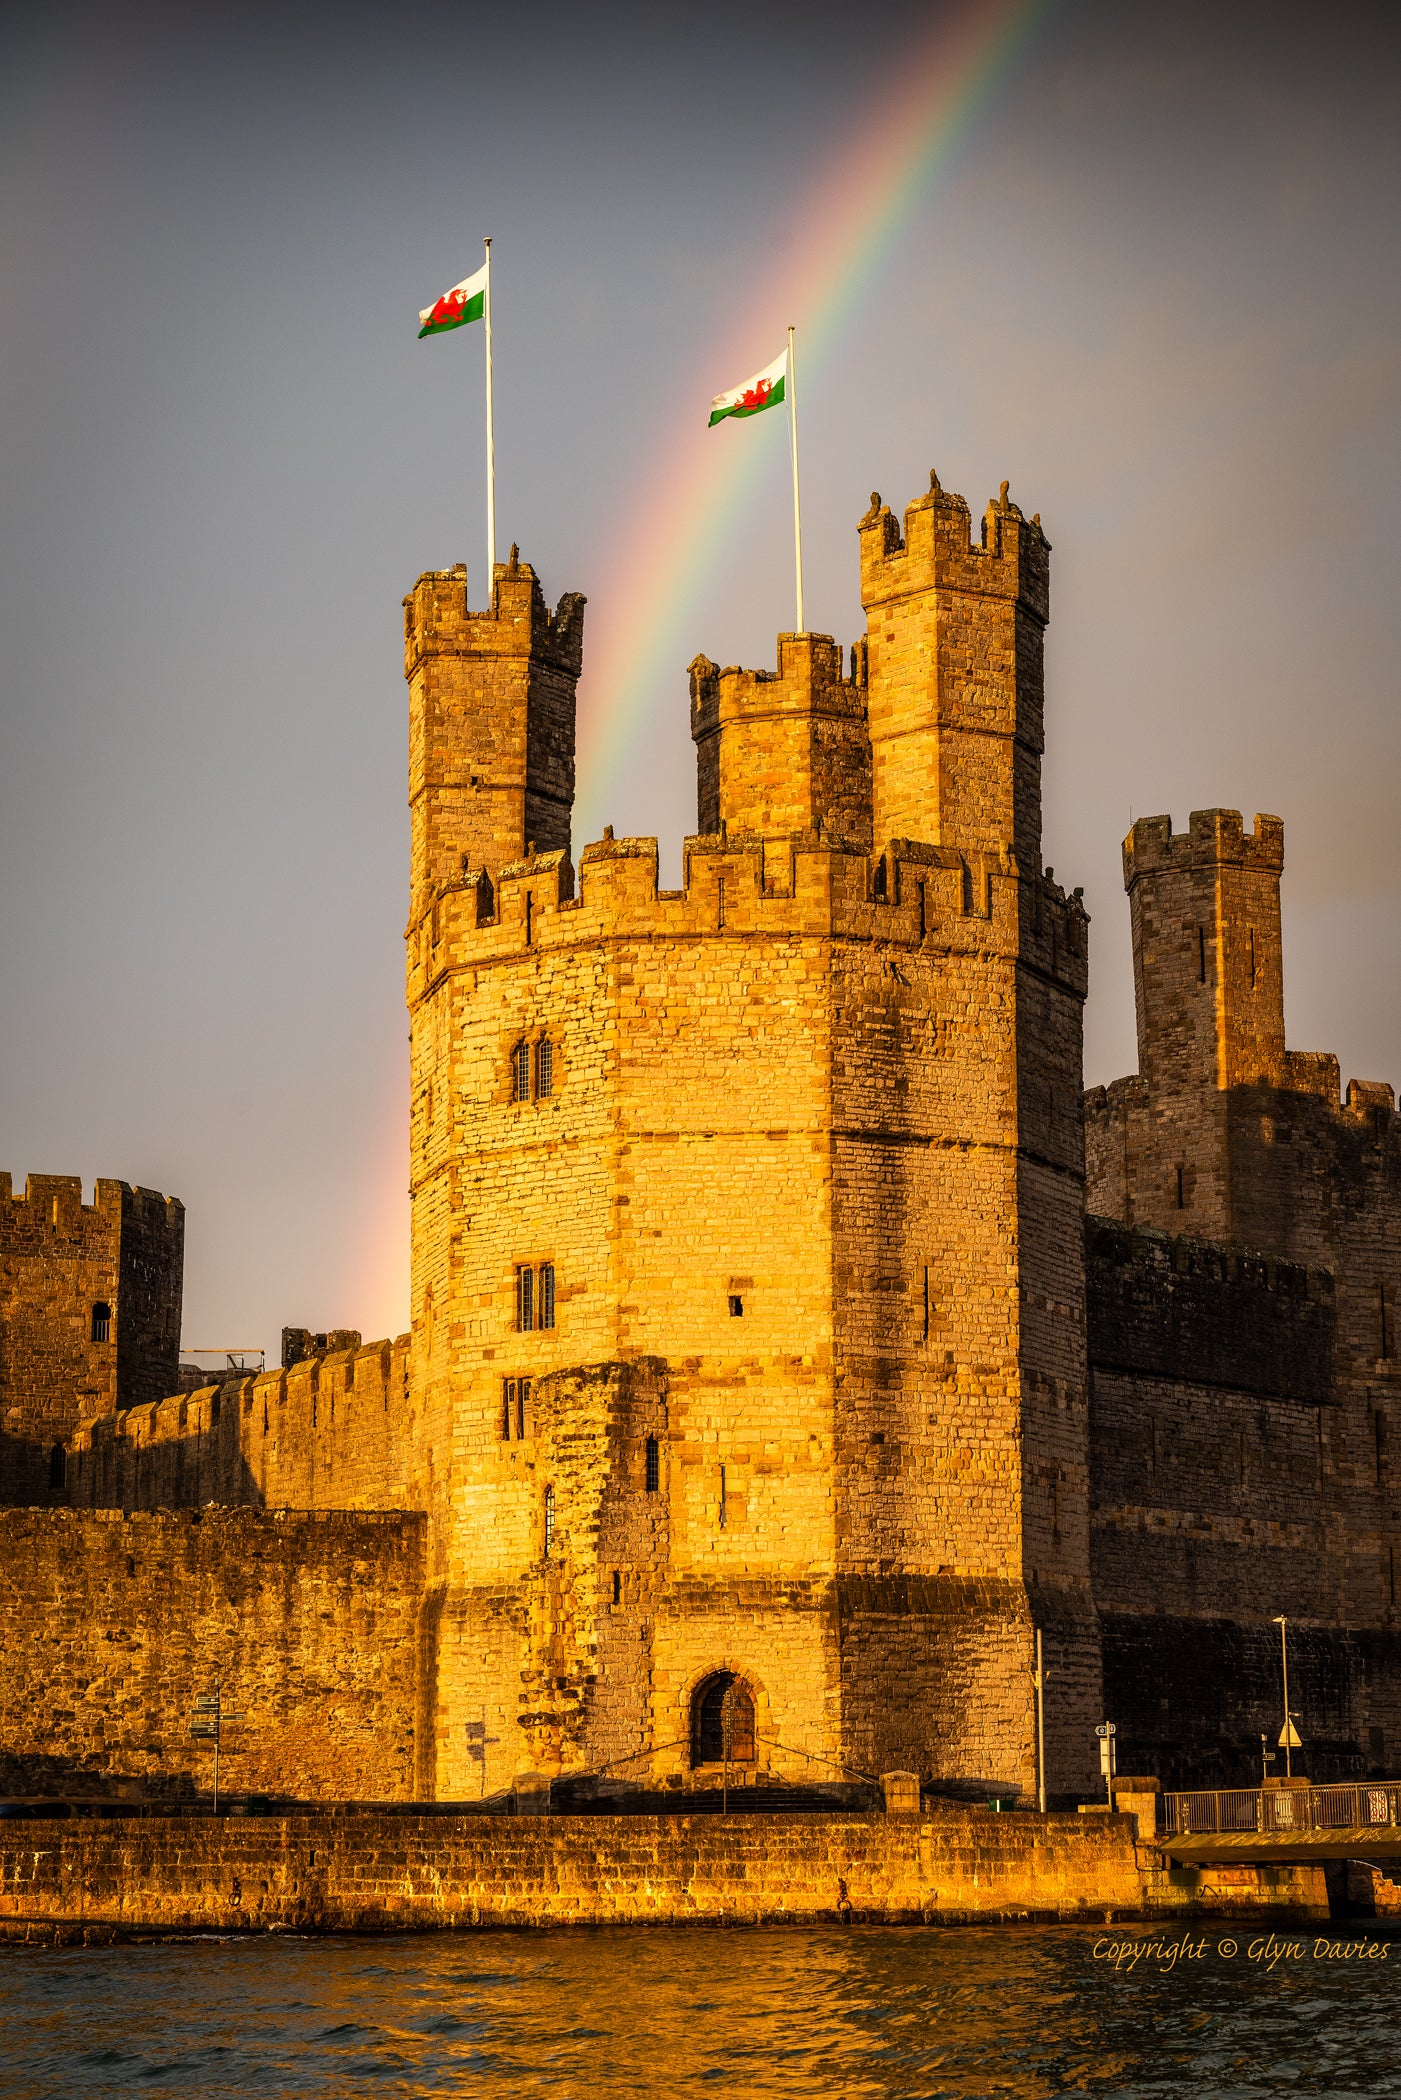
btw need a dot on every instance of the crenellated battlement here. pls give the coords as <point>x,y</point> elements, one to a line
<point>1214,838</point>
<point>802,884</point>
<point>53,1203</point>
<point>333,1431</point>
<point>937,551</point>
<point>518,622</point>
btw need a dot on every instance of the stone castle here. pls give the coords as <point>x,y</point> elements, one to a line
<point>793,1339</point>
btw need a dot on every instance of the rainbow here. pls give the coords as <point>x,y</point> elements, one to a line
<point>692,491</point>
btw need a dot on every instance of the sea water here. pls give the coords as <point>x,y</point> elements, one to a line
<point>1219,2012</point>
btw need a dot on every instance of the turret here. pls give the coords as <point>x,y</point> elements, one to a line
<point>1166,1148</point>
<point>955,674</point>
<point>491,722</point>
<point>1208,960</point>
<point>785,751</point>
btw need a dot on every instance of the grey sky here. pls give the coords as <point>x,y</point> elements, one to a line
<point>1157,288</point>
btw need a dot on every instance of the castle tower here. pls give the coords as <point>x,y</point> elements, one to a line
<point>956,690</point>
<point>90,1299</point>
<point>491,723</point>
<point>748,1274</point>
<point>785,752</point>
<point>959,1161</point>
<point>1209,1000</point>
<point>491,786</point>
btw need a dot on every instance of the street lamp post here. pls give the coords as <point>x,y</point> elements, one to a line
<point>1038,1680</point>
<point>1288,1730</point>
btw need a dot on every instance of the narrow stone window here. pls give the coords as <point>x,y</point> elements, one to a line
<point>529,918</point>
<point>524,1424</point>
<point>549,1518</point>
<point>547,1294</point>
<point>736,1307</point>
<point>520,1072</point>
<point>617,1585</point>
<point>1201,955</point>
<point>724,1514</point>
<point>926,1306</point>
<point>101,1322</point>
<point>720,901</point>
<point>508,1408</point>
<point>1181,1191</point>
<point>56,1469</point>
<point>654,1466</point>
<point>923,923</point>
<point>1252,958</point>
<point>525,1301</point>
<point>544,1069</point>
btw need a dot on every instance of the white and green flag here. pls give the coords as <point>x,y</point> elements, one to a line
<point>765,390</point>
<point>465,302</point>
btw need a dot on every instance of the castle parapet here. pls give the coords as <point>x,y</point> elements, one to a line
<point>518,622</point>
<point>937,551</point>
<point>1213,838</point>
<point>331,1431</point>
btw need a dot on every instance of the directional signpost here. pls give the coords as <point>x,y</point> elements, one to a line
<point>206,1723</point>
<point>1106,1731</point>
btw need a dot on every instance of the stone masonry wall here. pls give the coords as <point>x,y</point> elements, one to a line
<point>110,1625</point>
<point>59,1259</point>
<point>407,1873</point>
<point>1223,1495</point>
<point>1245,1407</point>
<point>334,1432</point>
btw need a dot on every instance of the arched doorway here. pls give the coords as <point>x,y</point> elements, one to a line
<point>722,1703</point>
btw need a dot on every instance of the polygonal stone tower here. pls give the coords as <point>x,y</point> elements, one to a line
<point>748,1271</point>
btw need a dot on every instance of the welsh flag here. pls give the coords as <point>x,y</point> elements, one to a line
<point>764,390</point>
<point>465,302</point>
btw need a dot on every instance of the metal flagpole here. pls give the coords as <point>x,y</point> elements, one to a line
<point>797,510</point>
<point>490,438</point>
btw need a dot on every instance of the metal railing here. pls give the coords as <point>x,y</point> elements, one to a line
<point>1358,1805</point>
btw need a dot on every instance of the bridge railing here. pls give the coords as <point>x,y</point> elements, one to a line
<point>1353,1806</point>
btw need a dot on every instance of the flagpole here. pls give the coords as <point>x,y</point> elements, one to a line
<point>797,508</point>
<point>490,440</point>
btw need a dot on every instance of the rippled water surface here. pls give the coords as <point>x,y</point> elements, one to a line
<point>964,2013</point>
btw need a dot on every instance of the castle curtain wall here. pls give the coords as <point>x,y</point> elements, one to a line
<point>112,1624</point>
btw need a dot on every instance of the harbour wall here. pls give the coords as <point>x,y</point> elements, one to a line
<point>381,1872</point>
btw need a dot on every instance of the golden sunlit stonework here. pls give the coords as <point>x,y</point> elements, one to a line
<point>767,1388</point>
